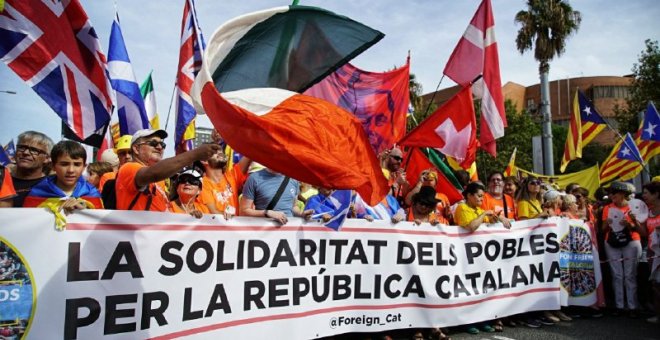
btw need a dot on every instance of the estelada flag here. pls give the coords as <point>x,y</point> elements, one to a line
<point>306,138</point>
<point>417,162</point>
<point>452,129</point>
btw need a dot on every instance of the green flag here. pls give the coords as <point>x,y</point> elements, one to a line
<point>434,157</point>
<point>149,96</point>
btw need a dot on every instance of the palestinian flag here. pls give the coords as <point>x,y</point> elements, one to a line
<point>265,55</point>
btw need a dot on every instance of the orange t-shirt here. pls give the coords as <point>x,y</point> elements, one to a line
<point>224,194</point>
<point>174,207</point>
<point>613,212</point>
<point>105,177</point>
<point>126,190</point>
<point>497,205</point>
<point>7,186</point>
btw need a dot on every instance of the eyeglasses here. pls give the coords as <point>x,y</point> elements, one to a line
<point>535,182</point>
<point>578,196</point>
<point>190,180</point>
<point>154,143</point>
<point>496,180</point>
<point>33,151</point>
<point>398,158</point>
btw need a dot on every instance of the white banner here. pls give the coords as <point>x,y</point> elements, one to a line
<point>172,276</point>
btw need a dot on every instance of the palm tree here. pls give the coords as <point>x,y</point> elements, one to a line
<point>545,27</point>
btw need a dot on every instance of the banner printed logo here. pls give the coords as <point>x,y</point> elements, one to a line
<point>576,262</point>
<point>17,295</point>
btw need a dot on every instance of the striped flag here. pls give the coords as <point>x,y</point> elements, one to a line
<point>190,62</point>
<point>149,96</point>
<point>586,123</point>
<point>130,106</point>
<point>511,167</point>
<point>625,169</point>
<point>53,47</point>
<point>475,54</point>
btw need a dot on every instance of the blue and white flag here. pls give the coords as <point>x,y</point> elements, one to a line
<point>341,199</point>
<point>651,124</point>
<point>4,158</point>
<point>130,105</point>
<point>629,150</point>
<point>10,149</point>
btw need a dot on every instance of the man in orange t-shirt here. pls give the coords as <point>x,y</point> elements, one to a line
<point>494,198</point>
<point>140,183</point>
<point>221,186</point>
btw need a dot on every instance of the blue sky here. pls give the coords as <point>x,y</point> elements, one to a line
<point>609,41</point>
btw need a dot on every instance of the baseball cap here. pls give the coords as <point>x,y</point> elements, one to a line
<point>146,133</point>
<point>124,142</point>
<point>617,186</point>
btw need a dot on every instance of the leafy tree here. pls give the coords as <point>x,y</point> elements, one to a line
<point>545,27</point>
<point>420,111</point>
<point>644,87</point>
<point>519,132</point>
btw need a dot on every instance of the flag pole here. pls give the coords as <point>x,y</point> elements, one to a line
<point>623,140</point>
<point>169,110</point>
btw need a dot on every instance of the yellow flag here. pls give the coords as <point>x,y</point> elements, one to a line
<point>587,178</point>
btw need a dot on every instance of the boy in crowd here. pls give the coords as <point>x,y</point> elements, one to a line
<point>67,190</point>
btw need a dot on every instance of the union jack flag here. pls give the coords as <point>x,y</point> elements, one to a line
<point>53,47</point>
<point>190,62</point>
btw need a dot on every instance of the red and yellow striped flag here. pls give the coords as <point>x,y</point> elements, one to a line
<point>586,123</point>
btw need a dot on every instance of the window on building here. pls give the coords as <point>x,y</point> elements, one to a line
<point>530,107</point>
<point>620,92</point>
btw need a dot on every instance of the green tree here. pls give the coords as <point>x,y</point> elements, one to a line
<point>420,111</point>
<point>644,88</point>
<point>519,132</point>
<point>545,27</point>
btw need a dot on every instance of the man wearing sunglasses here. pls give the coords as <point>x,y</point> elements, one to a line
<point>140,184</point>
<point>32,163</point>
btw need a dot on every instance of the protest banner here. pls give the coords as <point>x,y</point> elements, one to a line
<point>124,274</point>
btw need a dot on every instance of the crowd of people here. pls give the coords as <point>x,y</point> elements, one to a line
<point>135,176</point>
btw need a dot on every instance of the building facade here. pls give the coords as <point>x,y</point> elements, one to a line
<point>606,92</point>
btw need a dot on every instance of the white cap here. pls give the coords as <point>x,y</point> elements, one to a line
<point>146,133</point>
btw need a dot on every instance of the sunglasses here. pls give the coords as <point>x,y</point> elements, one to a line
<point>398,158</point>
<point>154,143</point>
<point>33,151</point>
<point>578,196</point>
<point>190,180</point>
<point>535,182</point>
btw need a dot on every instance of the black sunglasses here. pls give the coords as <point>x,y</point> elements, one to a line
<point>398,158</point>
<point>190,180</point>
<point>33,151</point>
<point>154,143</point>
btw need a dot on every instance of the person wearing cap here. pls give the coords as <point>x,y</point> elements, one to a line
<point>183,199</point>
<point>496,200</point>
<point>222,185</point>
<point>529,199</point>
<point>622,246</point>
<point>429,178</point>
<point>118,156</point>
<point>140,183</point>
<point>396,176</point>
<point>422,208</point>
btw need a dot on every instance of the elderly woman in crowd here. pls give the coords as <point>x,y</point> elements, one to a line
<point>185,189</point>
<point>623,247</point>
